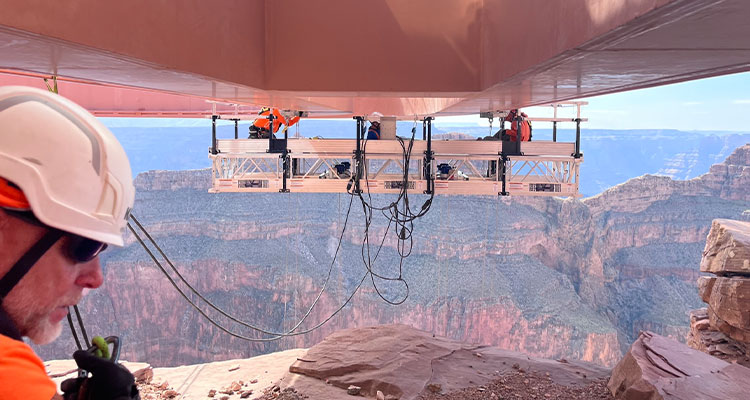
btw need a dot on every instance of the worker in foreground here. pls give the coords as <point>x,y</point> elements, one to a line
<point>66,192</point>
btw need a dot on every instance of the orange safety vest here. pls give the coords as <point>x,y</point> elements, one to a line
<point>22,374</point>
<point>513,131</point>
<point>263,123</point>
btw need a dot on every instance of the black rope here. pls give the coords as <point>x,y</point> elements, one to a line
<point>80,324</point>
<point>276,335</point>
<point>73,330</point>
<point>402,218</point>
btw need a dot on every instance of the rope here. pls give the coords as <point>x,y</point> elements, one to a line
<point>80,323</point>
<point>275,335</point>
<point>73,330</point>
<point>403,218</point>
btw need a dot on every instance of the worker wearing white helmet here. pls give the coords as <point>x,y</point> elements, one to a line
<point>65,194</point>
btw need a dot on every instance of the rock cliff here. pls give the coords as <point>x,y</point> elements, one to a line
<point>552,278</point>
<point>723,328</point>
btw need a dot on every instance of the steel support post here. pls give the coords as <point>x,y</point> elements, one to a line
<point>213,134</point>
<point>428,157</point>
<point>270,129</point>
<point>554,131</point>
<point>578,138</point>
<point>358,155</point>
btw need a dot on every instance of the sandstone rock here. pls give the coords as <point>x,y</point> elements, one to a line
<point>705,284</point>
<point>235,386</point>
<point>730,301</point>
<point>727,248</point>
<point>434,387</point>
<point>708,340</point>
<point>245,394</point>
<point>699,320</point>
<point>169,394</point>
<point>742,335</point>
<point>401,361</point>
<point>144,375</point>
<point>379,395</point>
<point>656,367</point>
<point>353,390</point>
<point>212,393</point>
<point>391,397</point>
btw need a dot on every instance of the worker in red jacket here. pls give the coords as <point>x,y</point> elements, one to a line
<point>512,133</point>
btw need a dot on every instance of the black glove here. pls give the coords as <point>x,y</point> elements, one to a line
<point>108,381</point>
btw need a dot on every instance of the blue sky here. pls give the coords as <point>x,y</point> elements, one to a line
<point>713,104</point>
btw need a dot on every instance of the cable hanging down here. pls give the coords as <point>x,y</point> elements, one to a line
<point>397,212</point>
<point>274,335</point>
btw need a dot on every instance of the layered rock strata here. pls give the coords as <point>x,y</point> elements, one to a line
<point>548,277</point>
<point>402,362</point>
<point>658,368</point>
<point>723,328</point>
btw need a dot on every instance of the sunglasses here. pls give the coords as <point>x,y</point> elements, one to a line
<point>81,249</point>
<point>78,248</point>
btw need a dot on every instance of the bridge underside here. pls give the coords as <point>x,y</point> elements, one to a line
<point>397,57</point>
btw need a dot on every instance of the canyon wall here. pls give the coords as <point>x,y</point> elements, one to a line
<point>554,278</point>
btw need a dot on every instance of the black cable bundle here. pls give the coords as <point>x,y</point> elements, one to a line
<point>397,212</point>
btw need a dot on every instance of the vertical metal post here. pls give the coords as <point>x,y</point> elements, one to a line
<point>285,166</point>
<point>519,119</point>
<point>502,172</point>
<point>213,134</point>
<point>358,155</point>
<point>270,129</point>
<point>578,138</point>
<point>424,129</point>
<point>428,158</point>
<point>554,131</point>
<point>236,127</point>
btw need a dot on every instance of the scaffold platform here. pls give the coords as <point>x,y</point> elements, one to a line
<point>456,167</point>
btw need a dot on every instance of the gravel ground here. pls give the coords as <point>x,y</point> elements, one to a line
<point>515,386</point>
<point>286,394</point>
<point>520,385</point>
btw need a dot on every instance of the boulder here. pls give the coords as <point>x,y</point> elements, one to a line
<point>705,285</point>
<point>727,248</point>
<point>742,335</point>
<point>730,301</point>
<point>403,362</point>
<point>657,367</point>
<point>709,340</point>
<point>144,375</point>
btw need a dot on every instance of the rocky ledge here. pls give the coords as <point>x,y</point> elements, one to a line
<point>723,328</point>
<point>660,368</point>
<point>401,362</point>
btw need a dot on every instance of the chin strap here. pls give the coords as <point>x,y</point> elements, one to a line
<point>24,264</point>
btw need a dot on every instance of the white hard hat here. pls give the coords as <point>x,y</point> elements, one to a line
<point>375,117</point>
<point>73,172</point>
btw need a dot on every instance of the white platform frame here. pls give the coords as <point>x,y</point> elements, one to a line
<point>545,168</point>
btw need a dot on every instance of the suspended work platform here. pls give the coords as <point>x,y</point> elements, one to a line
<point>538,168</point>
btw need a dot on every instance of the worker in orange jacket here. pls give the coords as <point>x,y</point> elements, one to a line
<point>512,133</point>
<point>66,191</point>
<point>260,127</point>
